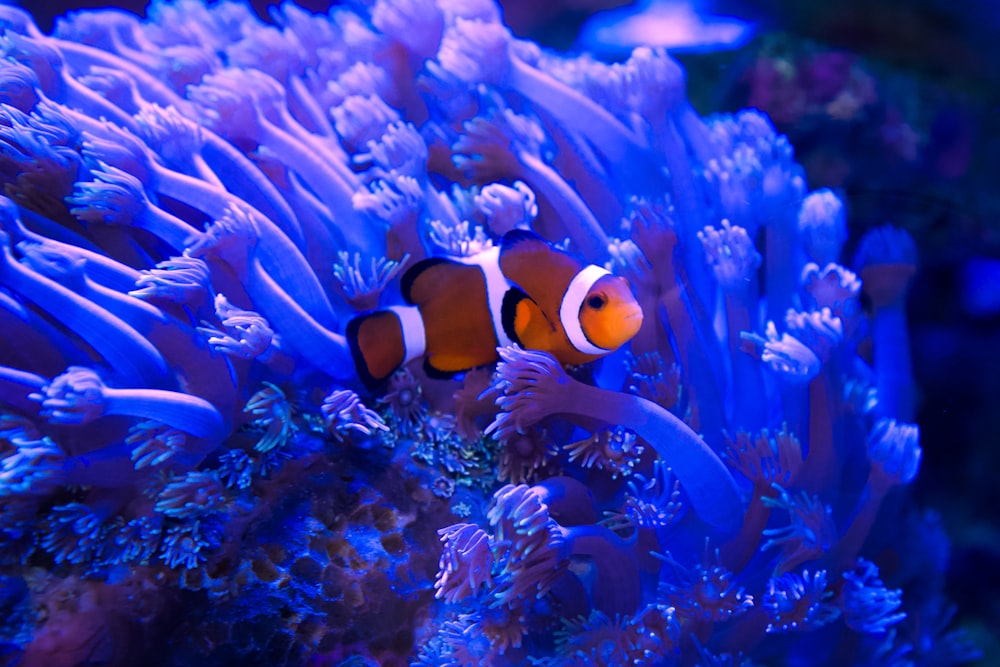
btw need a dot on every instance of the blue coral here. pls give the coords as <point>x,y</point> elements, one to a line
<point>74,533</point>
<point>198,202</point>
<point>139,539</point>
<point>867,604</point>
<point>466,562</point>
<point>798,602</point>
<point>810,531</point>
<point>193,495</point>
<point>236,468</point>
<point>187,545</point>
<point>705,592</point>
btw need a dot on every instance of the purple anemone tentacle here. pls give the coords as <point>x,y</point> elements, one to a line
<point>731,256</point>
<point>509,144</point>
<point>174,339</point>
<point>655,235</point>
<point>587,234</point>
<point>247,181</point>
<point>309,107</point>
<point>58,84</point>
<point>764,459</point>
<point>117,197</point>
<point>822,332</point>
<point>575,160</point>
<point>182,411</point>
<point>100,267</point>
<point>536,386</point>
<point>24,223</point>
<point>16,385</point>
<point>604,131</point>
<point>83,57</point>
<point>235,104</point>
<point>894,455</point>
<point>886,261</point>
<point>276,251</point>
<point>697,134</point>
<point>176,139</point>
<point>322,348</point>
<point>134,359</point>
<point>44,347</point>
<point>79,396</point>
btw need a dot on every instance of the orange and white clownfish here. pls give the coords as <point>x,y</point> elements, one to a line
<point>523,291</point>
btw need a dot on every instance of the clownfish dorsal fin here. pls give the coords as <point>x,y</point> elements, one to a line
<point>516,237</point>
<point>521,249</point>
<point>413,293</point>
<point>524,321</point>
<point>430,278</point>
<point>539,269</point>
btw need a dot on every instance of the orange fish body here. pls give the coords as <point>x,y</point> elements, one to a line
<point>524,291</point>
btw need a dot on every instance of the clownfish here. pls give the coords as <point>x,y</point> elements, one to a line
<point>524,291</point>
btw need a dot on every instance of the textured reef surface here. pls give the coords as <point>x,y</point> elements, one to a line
<point>197,204</point>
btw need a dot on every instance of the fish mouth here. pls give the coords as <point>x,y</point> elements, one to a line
<point>634,314</point>
<point>633,322</point>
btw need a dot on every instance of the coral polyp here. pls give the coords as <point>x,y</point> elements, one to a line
<point>200,207</point>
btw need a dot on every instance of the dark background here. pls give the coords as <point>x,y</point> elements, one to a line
<point>955,39</point>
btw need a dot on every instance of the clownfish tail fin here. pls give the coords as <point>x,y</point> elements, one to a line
<point>383,340</point>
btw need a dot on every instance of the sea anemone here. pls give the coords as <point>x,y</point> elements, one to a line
<point>198,202</point>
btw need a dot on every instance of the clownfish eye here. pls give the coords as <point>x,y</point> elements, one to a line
<point>597,301</point>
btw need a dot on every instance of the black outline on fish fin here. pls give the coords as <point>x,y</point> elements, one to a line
<point>412,273</point>
<point>508,311</point>
<point>360,365</point>
<point>516,236</point>
<point>437,373</point>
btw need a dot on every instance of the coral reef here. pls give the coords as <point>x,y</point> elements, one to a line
<point>196,205</point>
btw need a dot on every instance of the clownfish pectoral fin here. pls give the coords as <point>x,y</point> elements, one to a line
<point>377,345</point>
<point>508,312</point>
<point>524,321</point>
